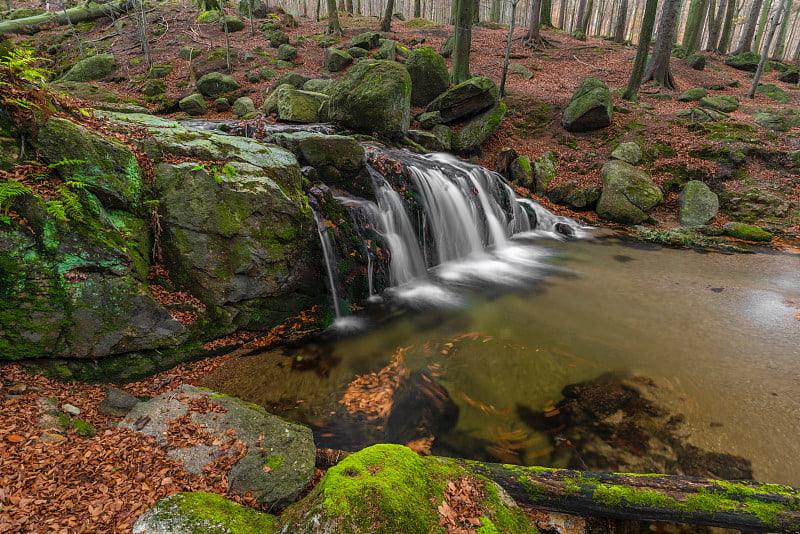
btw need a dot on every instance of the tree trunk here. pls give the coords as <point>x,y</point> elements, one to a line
<point>726,36</point>
<point>780,46</point>
<point>694,22</point>
<point>635,80</point>
<point>773,28</point>
<point>762,23</point>
<point>463,39</point>
<point>584,22</point>
<point>748,506</point>
<point>532,37</point>
<point>580,13</point>
<point>746,42</point>
<point>546,17</point>
<point>37,23</point>
<point>715,25</point>
<point>658,69</point>
<point>386,24</point>
<point>619,29</point>
<point>417,9</point>
<point>508,47</point>
<point>333,19</point>
<point>562,14</point>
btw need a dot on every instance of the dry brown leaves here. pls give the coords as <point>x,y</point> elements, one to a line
<point>173,298</point>
<point>460,512</point>
<point>373,394</point>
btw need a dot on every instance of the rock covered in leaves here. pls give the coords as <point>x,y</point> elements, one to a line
<point>697,204</point>
<point>628,193</point>
<point>590,107</point>
<point>465,99</point>
<point>201,427</point>
<point>374,96</point>
<point>387,489</point>
<point>90,69</point>
<point>429,75</point>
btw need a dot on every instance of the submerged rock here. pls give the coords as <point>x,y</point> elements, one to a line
<point>280,456</point>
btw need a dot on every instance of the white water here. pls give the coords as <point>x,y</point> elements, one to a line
<point>327,253</point>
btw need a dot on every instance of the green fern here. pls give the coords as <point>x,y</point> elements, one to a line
<point>72,204</point>
<point>66,161</point>
<point>19,63</point>
<point>56,209</point>
<point>9,191</point>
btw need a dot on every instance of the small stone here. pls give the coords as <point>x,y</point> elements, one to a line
<point>117,403</point>
<point>48,405</point>
<point>70,409</point>
<point>253,76</point>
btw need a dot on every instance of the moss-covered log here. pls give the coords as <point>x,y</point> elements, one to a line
<point>37,23</point>
<point>750,506</point>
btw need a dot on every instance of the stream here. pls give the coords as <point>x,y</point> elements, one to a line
<point>717,335</point>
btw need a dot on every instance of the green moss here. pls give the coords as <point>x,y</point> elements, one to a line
<point>614,495</point>
<point>274,462</point>
<point>208,513</point>
<point>83,428</point>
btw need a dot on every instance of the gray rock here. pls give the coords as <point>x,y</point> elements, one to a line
<point>466,99</point>
<point>294,105</point>
<point>628,193</point>
<point>504,159</point>
<point>292,78</point>
<point>280,455</point>
<point>216,84</point>
<point>318,85</point>
<point>336,60</point>
<point>478,129</point>
<point>233,23</point>
<point>693,94</point>
<point>325,152</point>
<point>545,168</point>
<point>222,105</point>
<point>243,108</point>
<point>91,68</point>
<point>584,197</point>
<point>697,204</point>
<point>429,119</point>
<point>589,108</point>
<point>367,40</point>
<point>628,152</point>
<point>520,70</point>
<point>558,193</point>
<point>428,140</point>
<point>723,103</point>
<point>429,75</point>
<point>117,403</point>
<point>256,9</point>
<point>193,104</point>
<point>287,52</point>
<point>70,409</point>
<point>702,115</point>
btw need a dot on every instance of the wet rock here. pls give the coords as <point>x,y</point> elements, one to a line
<point>697,204</point>
<point>428,140</point>
<point>520,172</point>
<point>280,455</point>
<point>478,129</point>
<point>584,197</point>
<point>117,403</point>
<point>558,193</point>
<point>747,232</point>
<point>504,159</point>
<point>321,151</point>
<point>589,108</point>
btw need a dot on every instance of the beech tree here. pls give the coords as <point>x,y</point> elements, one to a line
<point>780,46</point>
<point>746,40</point>
<point>773,27</point>
<point>658,69</point>
<point>726,37</point>
<point>694,24</point>
<point>333,19</point>
<point>464,16</point>
<point>715,26</point>
<point>619,28</point>
<point>635,80</point>
<point>386,25</point>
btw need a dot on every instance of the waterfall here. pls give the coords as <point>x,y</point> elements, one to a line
<point>330,262</point>
<point>440,223</point>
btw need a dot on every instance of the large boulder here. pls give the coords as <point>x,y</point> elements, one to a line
<point>697,204</point>
<point>478,129</point>
<point>244,108</point>
<point>589,108</point>
<point>790,76</point>
<point>336,60</point>
<point>280,456</point>
<point>747,61</point>
<point>256,9</point>
<point>366,40</point>
<point>194,105</point>
<point>90,69</point>
<point>388,489</point>
<point>465,99</point>
<point>628,193</point>
<point>429,75</point>
<point>693,94</point>
<point>294,105</point>
<point>322,151</point>
<point>373,97</point>
<point>215,84</point>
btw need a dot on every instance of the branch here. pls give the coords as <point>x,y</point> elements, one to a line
<point>37,23</point>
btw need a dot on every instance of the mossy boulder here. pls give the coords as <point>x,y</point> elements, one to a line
<point>192,512</point>
<point>216,84</point>
<point>465,99</point>
<point>267,73</point>
<point>214,61</point>
<point>188,53</point>
<point>447,47</point>
<point>429,140</point>
<point>695,61</point>
<point>294,105</point>
<point>778,120</point>
<point>153,88</point>
<point>520,172</point>
<point>559,192</point>
<point>357,52</point>
<point>292,78</point>
<point>584,197</point>
<point>702,114</point>
<point>697,204</point>
<point>232,23</point>
<point>337,158</point>
<point>693,94</point>
<point>478,129</point>
<point>629,152</point>
<point>746,61</point>
<point>318,85</point>
<point>590,107</point>
<point>276,38</point>
<point>374,96</point>
<point>367,40</point>
<point>628,193</point>
<point>386,489</point>
<point>747,232</point>
<point>160,71</point>
<point>280,455</point>
<point>545,168</point>
<point>193,104</point>
<point>520,70</point>
<point>90,69</point>
<point>429,75</point>
<point>108,167</point>
<point>790,76</point>
<point>336,60</point>
<point>256,9</point>
<point>222,105</point>
<point>723,103</point>
<point>287,52</point>
<point>244,108</point>
<point>774,92</point>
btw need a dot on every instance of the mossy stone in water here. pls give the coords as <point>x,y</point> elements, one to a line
<point>747,232</point>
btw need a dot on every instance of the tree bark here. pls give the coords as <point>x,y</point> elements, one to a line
<point>746,42</point>
<point>780,46</point>
<point>658,69</point>
<point>619,29</point>
<point>739,505</point>
<point>386,24</point>
<point>773,28</point>
<point>465,14</point>
<point>580,13</point>
<point>584,22</point>
<point>333,19</point>
<point>532,38</point>
<point>546,16</point>
<point>762,23</point>
<point>562,14</point>
<point>715,25</point>
<point>37,23</point>
<point>635,80</point>
<point>694,22</point>
<point>726,36</point>
<point>508,47</point>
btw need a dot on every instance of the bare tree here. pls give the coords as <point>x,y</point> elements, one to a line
<point>746,40</point>
<point>386,25</point>
<point>726,36</point>
<point>465,15</point>
<point>694,23</point>
<point>714,26</point>
<point>508,46</point>
<point>658,69</point>
<point>782,11</point>
<point>780,46</point>
<point>619,28</point>
<point>762,23</point>
<point>635,80</point>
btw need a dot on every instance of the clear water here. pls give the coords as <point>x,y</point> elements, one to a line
<point>715,332</point>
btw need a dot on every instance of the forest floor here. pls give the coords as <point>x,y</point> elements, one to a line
<point>70,483</point>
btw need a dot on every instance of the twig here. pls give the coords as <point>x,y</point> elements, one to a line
<point>587,64</point>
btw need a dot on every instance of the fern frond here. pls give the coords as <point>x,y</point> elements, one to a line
<point>56,209</point>
<point>75,184</point>
<point>10,190</point>
<point>73,206</point>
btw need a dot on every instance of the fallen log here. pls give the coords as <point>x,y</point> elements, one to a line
<point>37,23</point>
<point>751,506</point>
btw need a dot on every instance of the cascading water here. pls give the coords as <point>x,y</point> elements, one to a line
<point>449,223</point>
